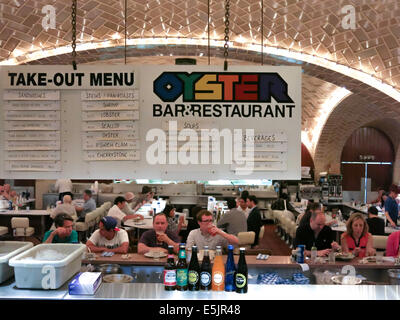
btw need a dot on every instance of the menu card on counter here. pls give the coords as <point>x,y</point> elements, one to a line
<point>110,128</point>
<point>32,130</point>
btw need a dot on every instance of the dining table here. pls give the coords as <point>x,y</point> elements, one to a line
<point>37,219</point>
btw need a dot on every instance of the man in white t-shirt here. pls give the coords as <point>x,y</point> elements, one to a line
<point>117,213</point>
<point>108,237</point>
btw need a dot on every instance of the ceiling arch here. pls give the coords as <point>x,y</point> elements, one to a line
<point>352,113</point>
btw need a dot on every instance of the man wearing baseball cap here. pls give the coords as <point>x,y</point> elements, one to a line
<point>108,237</point>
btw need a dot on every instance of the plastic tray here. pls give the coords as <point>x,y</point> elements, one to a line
<point>40,274</point>
<point>9,249</point>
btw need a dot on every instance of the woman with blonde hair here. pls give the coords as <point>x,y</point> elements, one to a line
<point>357,239</point>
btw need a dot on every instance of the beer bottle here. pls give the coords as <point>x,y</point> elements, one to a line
<point>194,272</point>
<point>181,270</point>
<point>205,274</point>
<point>241,273</point>
<point>218,272</point>
<point>230,270</point>
<point>170,271</point>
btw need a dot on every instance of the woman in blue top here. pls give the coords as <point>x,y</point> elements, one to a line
<point>63,232</point>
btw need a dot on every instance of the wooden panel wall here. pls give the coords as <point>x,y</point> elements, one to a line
<point>367,141</point>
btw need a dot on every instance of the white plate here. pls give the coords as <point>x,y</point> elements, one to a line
<point>346,280</point>
<point>155,254</point>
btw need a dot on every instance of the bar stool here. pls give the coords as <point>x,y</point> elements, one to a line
<point>21,227</point>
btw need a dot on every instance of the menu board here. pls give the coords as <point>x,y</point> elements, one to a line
<point>110,128</point>
<point>32,130</point>
<point>150,122</point>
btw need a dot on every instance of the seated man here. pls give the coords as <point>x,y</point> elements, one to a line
<point>158,237</point>
<point>63,232</point>
<point>316,233</point>
<point>116,211</point>
<point>65,207</point>
<point>208,234</point>
<point>142,198</point>
<point>127,209</point>
<point>234,221</point>
<point>376,225</point>
<point>88,206</point>
<point>108,237</point>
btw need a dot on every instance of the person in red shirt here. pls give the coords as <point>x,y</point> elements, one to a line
<point>357,239</point>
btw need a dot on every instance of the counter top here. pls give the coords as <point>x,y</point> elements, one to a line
<point>271,262</point>
<point>155,291</point>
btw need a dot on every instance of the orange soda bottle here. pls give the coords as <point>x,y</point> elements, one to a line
<point>218,272</point>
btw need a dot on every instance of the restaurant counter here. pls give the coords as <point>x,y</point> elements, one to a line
<point>133,291</point>
<point>147,284</point>
<point>149,270</point>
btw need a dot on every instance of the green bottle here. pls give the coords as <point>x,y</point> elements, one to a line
<point>182,270</point>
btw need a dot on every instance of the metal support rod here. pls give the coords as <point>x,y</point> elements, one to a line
<point>208,30</point>
<point>73,23</point>
<point>126,11</point>
<point>226,38</point>
<point>262,32</point>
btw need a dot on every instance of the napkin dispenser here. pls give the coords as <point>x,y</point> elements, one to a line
<point>85,283</point>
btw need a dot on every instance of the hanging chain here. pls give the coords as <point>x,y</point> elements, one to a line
<point>73,15</point>
<point>226,45</point>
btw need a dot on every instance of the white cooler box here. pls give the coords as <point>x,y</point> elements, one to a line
<point>9,249</point>
<point>47,274</point>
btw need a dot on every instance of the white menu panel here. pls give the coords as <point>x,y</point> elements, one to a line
<point>109,105</point>
<point>33,165</point>
<point>110,115</point>
<point>31,105</point>
<point>31,95</point>
<point>111,155</point>
<point>33,155</point>
<point>118,95</point>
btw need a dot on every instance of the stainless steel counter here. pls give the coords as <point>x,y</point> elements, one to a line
<point>255,292</point>
<point>155,291</point>
<point>8,290</point>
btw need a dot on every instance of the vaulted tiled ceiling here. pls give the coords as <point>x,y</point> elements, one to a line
<point>312,27</point>
<point>308,26</point>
